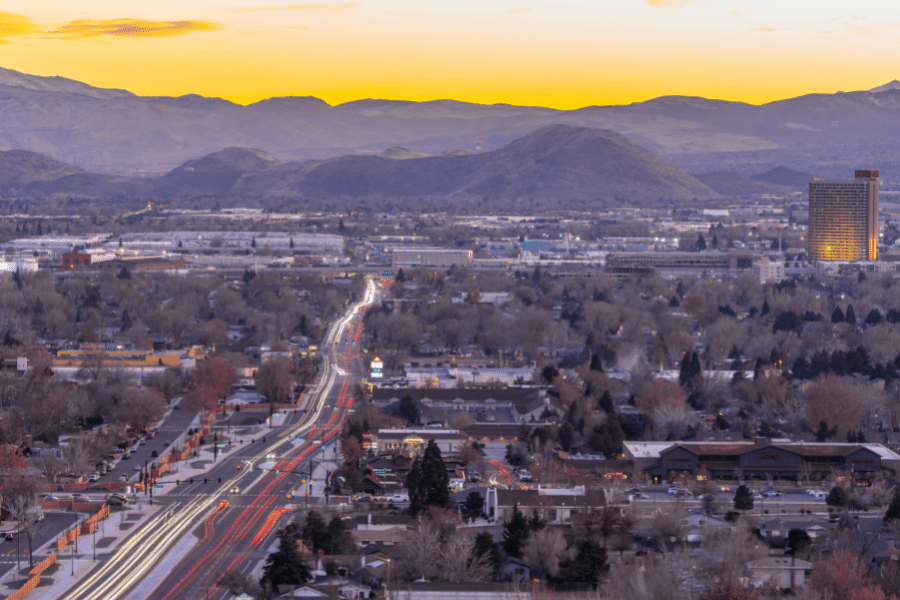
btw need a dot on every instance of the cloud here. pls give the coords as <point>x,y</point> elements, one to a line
<point>310,7</point>
<point>518,11</point>
<point>13,25</point>
<point>671,3</point>
<point>846,18</point>
<point>130,28</point>
<point>780,28</point>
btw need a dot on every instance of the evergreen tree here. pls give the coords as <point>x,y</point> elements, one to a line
<point>589,563</point>
<point>338,537</point>
<point>596,365</point>
<point>743,499</point>
<point>408,409</point>
<point>342,229</point>
<point>535,522</point>
<point>850,315</point>
<point>893,509</point>
<point>486,546</point>
<point>798,541</point>
<point>473,507</point>
<point>684,372</point>
<point>40,229</point>
<point>49,231</point>
<point>515,533</point>
<point>838,497</point>
<point>291,243</point>
<point>126,321</point>
<point>874,317</point>
<point>674,303</point>
<point>714,243</point>
<point>120,242</point>
<point>696,371</point>
<point>823,433</point>
<point>700,244</point>
<point>401,276</point>
<point>428,481</point>
<point>765,309</point>
<point>536,275</point>
<point>253,241</point>
<point>124,273</point>
<point>606,403</point>
<point>314,532</point>
<point>285,566</point>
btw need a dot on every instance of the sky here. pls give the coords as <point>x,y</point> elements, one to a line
<point>557,53</point>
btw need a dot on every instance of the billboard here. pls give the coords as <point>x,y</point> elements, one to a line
<point>376,368</point>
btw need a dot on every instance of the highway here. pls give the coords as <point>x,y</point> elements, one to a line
<point>236,529</point>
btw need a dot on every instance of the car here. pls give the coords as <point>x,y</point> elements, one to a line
<point>121,497</point>
<point>49,498</point>
<point>80,498</point>
<point>639,496</point>
<point>8,536</point>
<point>137,468</point>
<point>525,477</point>
<point>165,443</point>
<point>94,477</point>
<point>154,454</point>
<point>772,494</point>
<point>757,497</point>
<point>143,442</point>
<point>819,495</point>
<point>474,477</point>
<point>123,478</point>
<point>235,490</point>
<point>684,494</point>
<point>115,501</point>
<point>37,517</point>
<point>126,456</point>
<point>633,490</point>
<point>398,498</point>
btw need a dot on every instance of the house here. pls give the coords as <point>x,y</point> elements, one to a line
<point>413,441</point>
<point>404,590</point>
<point>697,526</point>
<point>514,569</point>
<point>386,537</point>
<point>524,404</point>
<point>777,529</point>
<point>557,505</point>
<point>782,572</point>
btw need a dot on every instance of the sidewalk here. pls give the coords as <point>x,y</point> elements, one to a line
<point>59,578</point>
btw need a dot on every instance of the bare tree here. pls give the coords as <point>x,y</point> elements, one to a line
<point>545,549</point>
<point>459,563</point>
<point>418,554</point>
<point>20,499</point>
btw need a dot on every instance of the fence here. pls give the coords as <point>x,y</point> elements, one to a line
<point>34,578</point>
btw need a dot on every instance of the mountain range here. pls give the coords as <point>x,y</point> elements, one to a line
<point>557,161</point>
<point>119,133</point>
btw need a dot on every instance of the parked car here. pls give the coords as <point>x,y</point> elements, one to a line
<point>757,497</point>
<point>398,498</point>
<point>37,517</point>
<point>772,494</point>
<point>115,501</point>
<point>154,454</point>
<point>121,497</point>
<point>525,477</point>
<point>49,498</point>
<point>819,495</point>
<point>94,477</point>
<point>80,498</point>
<point>123,478</point>
<point>137,468</point>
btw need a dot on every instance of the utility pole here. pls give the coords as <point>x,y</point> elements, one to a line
<point>215,446</point>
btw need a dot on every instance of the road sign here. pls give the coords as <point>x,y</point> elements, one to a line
<point>244,597</point>
<point>159,485</point>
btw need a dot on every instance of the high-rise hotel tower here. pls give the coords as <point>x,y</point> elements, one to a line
<point>843,218</point>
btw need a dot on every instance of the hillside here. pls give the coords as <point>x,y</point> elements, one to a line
<point>18,168</point>
<point>733,184</point>
<point>786,177</point>
<point>555,161</point>
<point>116,132</point>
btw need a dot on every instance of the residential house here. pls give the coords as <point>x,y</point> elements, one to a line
<point>404,590</point>
<point>781,572</point>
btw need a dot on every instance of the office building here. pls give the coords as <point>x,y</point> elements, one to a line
<point>843,218</point>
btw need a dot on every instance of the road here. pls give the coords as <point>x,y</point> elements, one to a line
<point>237,535</point>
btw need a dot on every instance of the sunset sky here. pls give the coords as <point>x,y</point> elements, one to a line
<point>559,53</point>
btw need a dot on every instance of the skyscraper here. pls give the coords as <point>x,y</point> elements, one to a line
<point>843,218</point>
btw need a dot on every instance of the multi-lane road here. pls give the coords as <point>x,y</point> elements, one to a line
<point>235,529</point>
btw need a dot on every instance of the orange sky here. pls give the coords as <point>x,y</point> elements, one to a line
<point>559,53</point>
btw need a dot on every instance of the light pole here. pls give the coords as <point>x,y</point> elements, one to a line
<point>72,552</point>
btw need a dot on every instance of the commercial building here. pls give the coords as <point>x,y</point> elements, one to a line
<point>843,218</point>
<point>762,458</point>
<point>430,257</point>
<point>635,262</point>
<point>769,270</point>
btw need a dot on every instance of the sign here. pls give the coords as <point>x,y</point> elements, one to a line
<point>244,597</point>
<point>159,485</point>
<point>377,368</point>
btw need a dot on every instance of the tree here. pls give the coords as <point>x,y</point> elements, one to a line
<point>460,561</point>
<point>473,507</point>
<point>604,523</point>
<point>286,566</point>
<point>838,497</point>
<point>605,403</point>
<point>798,541</point>
<point>428,482</point>
<point>549,374</point>
<point>589,563</point>
<point>338,537</point>
<point>515,533</point>
<point>823,433</point>
<point>700,244</point>
<point>486,546</point>
<point>408,409</point>
<point>596,365</point>
<point>893,510</point>
<point>657,393</point>
<point>314,532</point>
<point>850,315</point>
<point>20,500</point>
<point>838,315</point>
<point>743,498</point>
<point>273,380</point>
<point>211,381</point>
<point>544,551</point>
<point>835,401</point>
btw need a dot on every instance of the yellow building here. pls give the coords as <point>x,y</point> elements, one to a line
<point>843,218</point>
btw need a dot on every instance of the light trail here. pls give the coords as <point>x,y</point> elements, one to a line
<point>134,560</point>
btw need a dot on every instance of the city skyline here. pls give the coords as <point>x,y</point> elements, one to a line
<point>560,55</point>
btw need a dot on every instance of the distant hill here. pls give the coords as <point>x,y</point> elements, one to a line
<point>116,132</point>
<point>784,176</point>
<point>556,161</point>
<point>733,184</point>
<point>18,168</point>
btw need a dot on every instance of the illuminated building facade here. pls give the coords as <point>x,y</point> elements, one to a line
<point>843,218</point>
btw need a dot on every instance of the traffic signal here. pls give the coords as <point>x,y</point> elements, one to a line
<point>310,483</point>
<point>239,467</point>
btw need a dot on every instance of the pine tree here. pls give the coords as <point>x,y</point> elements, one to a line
<point>743,499</point>
<point>40,229</point>
<point>596,365</point>
<point>837,316</point>
<point>700,245</point>
<point>765,309</point>
<point>850,315</point>
<point>291,243</point>
<point>314,532</point>
<point>674,303</point>
<point>400,277</point>
<point>486,546</point>
<point>428,481</point>
<point>253,241</point>
<point>606,404</point>
<point>715,242</point>
<point>286,566</point>
<point>893,509</point>
<point>515,533</point>
<point>126,321</point>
